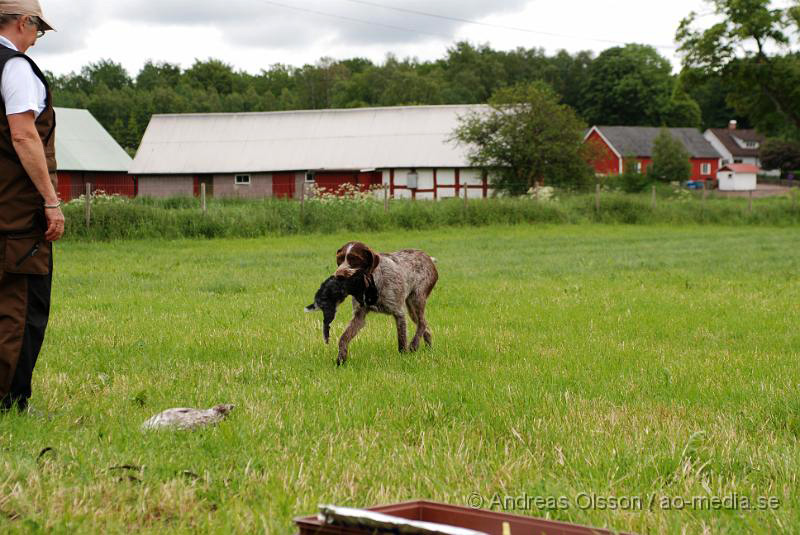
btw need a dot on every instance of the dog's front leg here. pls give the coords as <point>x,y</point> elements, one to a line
<point>400,320</point>
<point>355,325</point>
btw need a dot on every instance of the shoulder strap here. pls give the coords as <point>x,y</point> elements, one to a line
<point>5,55</point>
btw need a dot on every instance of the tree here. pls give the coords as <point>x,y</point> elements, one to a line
<point>750,50</point>
<point>683,110</point>
<point>473,73</point>
<point>568,75</point>
<point>628,86</point>
<point>671,161</point>
<point>155,75</point>
<point>315,83</point>
<point>711,93</point>
<point>105,72</point>
<point>526,136</point>
<point>211,75</point>
<point>780,154</point>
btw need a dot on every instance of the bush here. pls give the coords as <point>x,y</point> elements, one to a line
<point>170,219</point>
<point>633,182</point>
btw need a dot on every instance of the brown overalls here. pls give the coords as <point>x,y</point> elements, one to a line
<point>25,256</point>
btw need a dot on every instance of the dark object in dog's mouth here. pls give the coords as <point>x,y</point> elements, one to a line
<point>334,290</point>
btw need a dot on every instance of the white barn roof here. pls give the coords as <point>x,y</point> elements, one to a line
<point>361,138</point>
<point>82,144</point>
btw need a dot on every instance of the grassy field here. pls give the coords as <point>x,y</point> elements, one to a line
<point>575,364</point>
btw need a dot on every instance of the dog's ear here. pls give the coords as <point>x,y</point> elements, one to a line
<point>373,260</point>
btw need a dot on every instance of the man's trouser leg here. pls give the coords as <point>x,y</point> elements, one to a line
<point>24,311</point>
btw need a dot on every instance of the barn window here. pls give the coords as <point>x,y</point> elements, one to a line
<point>705,169</point>
<point>638,167</point>
<point>241,180</point>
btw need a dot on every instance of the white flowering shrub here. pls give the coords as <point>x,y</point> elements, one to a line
<point>100,197</point>
<point>345,193</point>
<point>542,193</point>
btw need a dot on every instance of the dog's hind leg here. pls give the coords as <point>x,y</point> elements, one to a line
<point>416,309</point>
<point>355,325</point>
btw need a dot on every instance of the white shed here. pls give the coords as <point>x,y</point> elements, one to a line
<point>737,177</point>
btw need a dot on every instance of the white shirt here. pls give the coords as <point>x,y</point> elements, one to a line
<point>21,89</point>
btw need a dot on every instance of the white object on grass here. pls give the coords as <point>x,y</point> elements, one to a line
<point>346,516</point>
<point>183,418</point>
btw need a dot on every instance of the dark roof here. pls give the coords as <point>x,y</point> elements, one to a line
<point>725,136</point>
<point>638,140</point>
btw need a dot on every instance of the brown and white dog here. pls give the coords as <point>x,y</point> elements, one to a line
<point>403,279</point>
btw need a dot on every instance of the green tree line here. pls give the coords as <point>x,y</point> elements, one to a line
<point>630,85</point>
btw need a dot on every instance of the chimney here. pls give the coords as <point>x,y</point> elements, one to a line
<point>732,124</point>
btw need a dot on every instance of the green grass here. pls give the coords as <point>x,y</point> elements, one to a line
<point>615,360</point>
<point>181,217</point>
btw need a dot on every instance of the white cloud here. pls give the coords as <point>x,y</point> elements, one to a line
<point>67,19</point>
<point>262,23</point>
<point>254,34</point>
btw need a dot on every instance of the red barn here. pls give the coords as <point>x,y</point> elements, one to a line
<point>618,143</point>
<point>86,153</point>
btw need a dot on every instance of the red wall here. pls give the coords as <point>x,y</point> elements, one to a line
<point>73,184</point>
<point>283,185</point>
<point>609,162</point>
<point>696,163</point>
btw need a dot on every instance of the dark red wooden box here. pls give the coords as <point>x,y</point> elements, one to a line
<point>478,519</point>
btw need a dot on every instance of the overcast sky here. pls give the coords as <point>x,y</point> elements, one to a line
<point>253,34</point>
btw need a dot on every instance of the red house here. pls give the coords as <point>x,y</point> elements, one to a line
<point>619,143</point>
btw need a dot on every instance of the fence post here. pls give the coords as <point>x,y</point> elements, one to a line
<point>466,191</point>
<point>302,200</point>
<point>597,197</point>
<point>386,198</point>
<point>88,204</point>
<point>654,196</point>
<point>203,206</point>
<point>750,201</point>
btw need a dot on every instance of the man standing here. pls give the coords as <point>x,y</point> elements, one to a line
<point>30,213</point>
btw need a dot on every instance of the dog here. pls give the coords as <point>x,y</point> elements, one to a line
<point>332,292</point>
<point>401,280</point>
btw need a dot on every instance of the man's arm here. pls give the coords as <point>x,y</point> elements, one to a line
<point>30,150</point>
